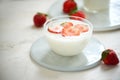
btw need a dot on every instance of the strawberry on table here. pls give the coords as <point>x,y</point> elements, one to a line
<point>109,57</point>
<point>39,19</point>
<point>69,5</point>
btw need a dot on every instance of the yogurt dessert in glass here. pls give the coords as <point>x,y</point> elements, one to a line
<point>95,6</point>
<point>68,35</point>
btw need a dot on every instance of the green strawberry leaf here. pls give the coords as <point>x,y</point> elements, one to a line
<point>73,11</point>
<point>105,54</point>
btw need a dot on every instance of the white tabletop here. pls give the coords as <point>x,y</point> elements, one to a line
<point>17,34</point>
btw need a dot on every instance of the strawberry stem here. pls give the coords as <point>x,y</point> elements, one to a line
<point>73,11</point>
<point>104,54</point>
<point>40,13</point>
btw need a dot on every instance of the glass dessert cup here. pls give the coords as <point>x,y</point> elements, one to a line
<point>67,43</point>
<point>67,52</point>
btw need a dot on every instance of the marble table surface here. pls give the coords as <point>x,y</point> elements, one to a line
<point>17,34</point>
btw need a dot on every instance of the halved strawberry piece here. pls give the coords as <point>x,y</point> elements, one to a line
<point>79,26</point>
<point>82,27</point>
<point>71,31</point>
<point>56,30</point>
<point>67,24</point>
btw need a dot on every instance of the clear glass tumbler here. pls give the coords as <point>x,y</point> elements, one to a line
<point>95,6</point>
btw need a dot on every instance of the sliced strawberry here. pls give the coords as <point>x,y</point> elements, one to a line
<point>71,31</point>
<point>67,24</point>
<point>82,27</point>
<point>79,26</point>
<point>56,30</point>
<point>85,29</point>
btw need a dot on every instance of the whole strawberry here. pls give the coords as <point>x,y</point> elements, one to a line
<point>109,57</point>
<point>69,5</point>
<point>78,13</point>
<point>39,19</point>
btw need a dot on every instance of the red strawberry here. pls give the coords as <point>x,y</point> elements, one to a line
<point>69,5</point>
<point>109,57</point>
<point>39,19</point>
<point>78,13</point>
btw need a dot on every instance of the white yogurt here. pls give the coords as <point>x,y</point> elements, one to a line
<point>69,45</point>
